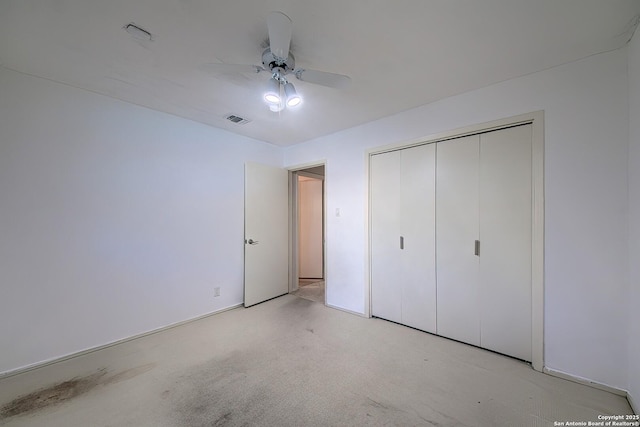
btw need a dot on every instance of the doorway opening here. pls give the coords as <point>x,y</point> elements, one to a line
<point>308,254</point>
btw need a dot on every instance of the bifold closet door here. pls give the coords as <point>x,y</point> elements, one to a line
<point>483,232</point>
<point>457,229</point>
<point>403,285</point>
<point>418,229</point>
<point>386,296</point>
<point>505,235</point>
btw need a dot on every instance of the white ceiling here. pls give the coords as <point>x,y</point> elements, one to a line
<point>399,54</point>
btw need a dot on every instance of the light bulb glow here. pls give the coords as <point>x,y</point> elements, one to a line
<point>272,96</point>
<point>293,99</point>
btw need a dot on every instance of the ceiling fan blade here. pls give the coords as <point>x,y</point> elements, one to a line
<point>280,28</point>
<point>219,68</point>
<point>337,81</point>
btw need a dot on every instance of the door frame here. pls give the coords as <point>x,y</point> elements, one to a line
<point>294,171</point>
<point>536,119</point>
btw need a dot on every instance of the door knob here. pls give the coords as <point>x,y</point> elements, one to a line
<point>251,242</point>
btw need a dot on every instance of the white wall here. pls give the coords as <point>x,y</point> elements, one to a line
<point>634,220</point>
<point>586,138</point>
<point>114,219</point>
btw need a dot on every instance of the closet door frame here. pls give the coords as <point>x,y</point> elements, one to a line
<point>536,119</point>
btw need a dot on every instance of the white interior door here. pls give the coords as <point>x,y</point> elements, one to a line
<point>386,293</point>
<point>505,235</point>
<point>266,253</point>
<point>418,255</point>
<point>457,229</point>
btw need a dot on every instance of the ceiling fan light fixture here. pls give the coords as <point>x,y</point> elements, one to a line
<point>293,99</point>
<point>272,95</point>
<point>279,63</point>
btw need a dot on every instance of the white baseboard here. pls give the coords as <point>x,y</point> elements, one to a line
<point>48,362</point>
<point>585,381</point>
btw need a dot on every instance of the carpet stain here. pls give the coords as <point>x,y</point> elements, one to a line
<point>51,396</point>
<point>129,373</point>
<point>376,404</point>
<point>224,420</point>
<point>67,390</point>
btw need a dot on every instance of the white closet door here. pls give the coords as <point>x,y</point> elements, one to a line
<point>386,295</point>
<point>418,230</point>
<point>505,235</point>
<point>457,229</point>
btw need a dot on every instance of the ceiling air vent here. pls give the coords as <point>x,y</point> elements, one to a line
<point>138,32</point>
<point>236,119</point>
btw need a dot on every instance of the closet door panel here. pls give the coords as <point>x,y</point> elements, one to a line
<point>386,295</point>
<point>505,235</point>
<point>418,229</point>
<point>457,228</point>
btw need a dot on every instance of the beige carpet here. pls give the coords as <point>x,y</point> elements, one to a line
<point>311,289</point>
<point>293,362</point>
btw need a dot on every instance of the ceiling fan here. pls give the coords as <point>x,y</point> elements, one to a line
<point>280,63</point>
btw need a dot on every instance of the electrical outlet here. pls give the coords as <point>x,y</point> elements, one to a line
<point>216,291</point>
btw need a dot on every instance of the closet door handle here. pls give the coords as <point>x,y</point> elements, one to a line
<point>401,242</point>
<point>476,249</point>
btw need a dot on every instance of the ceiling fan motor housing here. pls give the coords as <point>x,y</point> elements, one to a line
<point>277,65</point>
